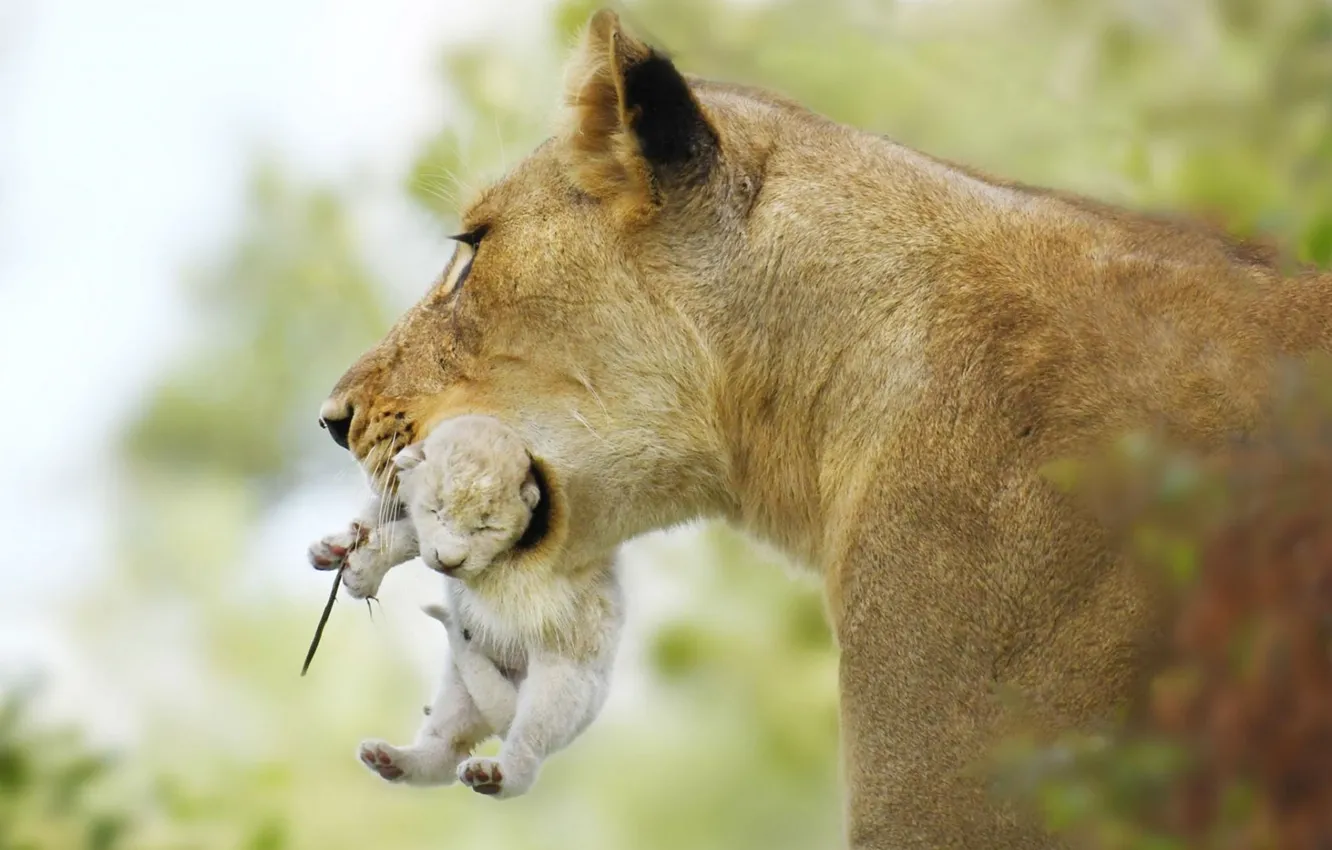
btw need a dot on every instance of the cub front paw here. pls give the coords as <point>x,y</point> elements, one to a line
<point>382,758</point>
<point>365,571</point>
<point>331,551</point>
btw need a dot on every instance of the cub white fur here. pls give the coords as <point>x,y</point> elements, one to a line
<point>381,537</point>
<point>474,499</point>
<point>467,505</point>
<point>531,646</point>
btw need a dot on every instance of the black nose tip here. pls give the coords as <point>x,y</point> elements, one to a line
<point>337,428</point>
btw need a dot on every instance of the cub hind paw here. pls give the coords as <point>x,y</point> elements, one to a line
<point>415,765</point>
<point>382,758</point>
<point>482,775</point>
<point>493,778</point>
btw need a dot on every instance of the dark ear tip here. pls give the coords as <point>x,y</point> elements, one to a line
<point>667,119</point>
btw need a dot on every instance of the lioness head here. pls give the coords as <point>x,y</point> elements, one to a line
<point>584,303</point>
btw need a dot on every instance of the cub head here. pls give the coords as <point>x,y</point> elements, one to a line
<point>586,299</point>
<point>471,491</point>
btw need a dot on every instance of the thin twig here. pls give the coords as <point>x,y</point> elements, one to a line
<point>323,618</point>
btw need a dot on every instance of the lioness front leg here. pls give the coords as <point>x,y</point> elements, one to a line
<point>911,752</point>
<point>919,712</point>
<point>954,637</point>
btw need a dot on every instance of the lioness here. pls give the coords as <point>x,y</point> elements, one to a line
<point>700,299</point>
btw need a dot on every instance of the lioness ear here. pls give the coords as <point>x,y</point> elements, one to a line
<point>636,128</point>
<point>410,457</point>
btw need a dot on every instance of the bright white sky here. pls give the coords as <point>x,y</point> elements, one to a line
<point>126,129</point>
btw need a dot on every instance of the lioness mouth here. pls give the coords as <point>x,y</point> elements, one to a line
<point>538,526</point>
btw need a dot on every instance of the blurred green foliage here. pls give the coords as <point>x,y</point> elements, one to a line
<point>50,783</point>
<point>290,303</point>
<point>1212,108</point>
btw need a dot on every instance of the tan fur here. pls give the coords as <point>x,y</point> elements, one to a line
<point>862,355</point>
<point>607,163</point>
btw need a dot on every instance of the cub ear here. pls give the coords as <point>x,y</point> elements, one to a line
<point>530,492</point>
<point>636,128</point>
<point>410,457</point>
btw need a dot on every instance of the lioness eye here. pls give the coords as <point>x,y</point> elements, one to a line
<point>458,274</point>
<point>464,269</point>
<point>471,239</point>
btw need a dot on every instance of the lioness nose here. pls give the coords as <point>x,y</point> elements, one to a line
<point>336,419</point>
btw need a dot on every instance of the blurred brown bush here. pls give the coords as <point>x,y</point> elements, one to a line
<point>1236,749</point>
<point>1250,690</point>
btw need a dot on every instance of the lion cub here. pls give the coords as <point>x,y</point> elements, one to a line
<point>480,493</point>
<point>531,645</point>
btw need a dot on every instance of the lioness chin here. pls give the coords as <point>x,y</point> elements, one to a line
<point>701,300</point>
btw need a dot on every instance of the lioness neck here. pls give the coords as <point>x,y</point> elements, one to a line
<point>869,233</point>
<point>1054,321</point>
